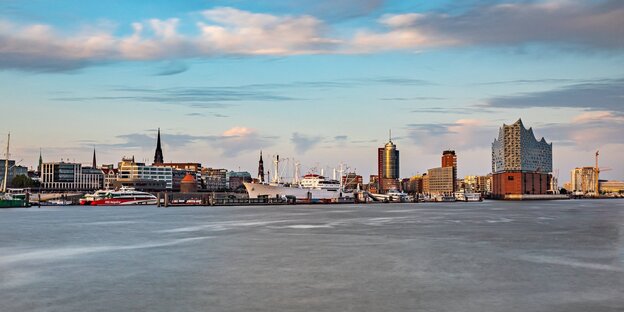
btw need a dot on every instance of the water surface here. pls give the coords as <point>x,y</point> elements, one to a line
<point>490,256</point>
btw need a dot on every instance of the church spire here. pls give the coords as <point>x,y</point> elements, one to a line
<point>94,161</point>
<point>261,169</point>
<point>40,161</point>
<point>158,156</point>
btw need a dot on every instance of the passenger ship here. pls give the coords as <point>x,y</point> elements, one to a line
<point>312,187</point>
<point>123,196</point>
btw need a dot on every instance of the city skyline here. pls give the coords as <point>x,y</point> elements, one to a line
<point>326,92</point>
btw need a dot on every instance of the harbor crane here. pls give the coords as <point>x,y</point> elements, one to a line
<point>597,171</point>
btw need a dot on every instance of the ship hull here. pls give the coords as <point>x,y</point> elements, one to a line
<point>257,190</point>
<point>13,203</point>
<point>123,202</point>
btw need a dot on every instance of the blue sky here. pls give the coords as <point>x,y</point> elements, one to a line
<point>317,81</point>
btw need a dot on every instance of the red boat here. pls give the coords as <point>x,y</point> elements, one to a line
<point>123,196</point>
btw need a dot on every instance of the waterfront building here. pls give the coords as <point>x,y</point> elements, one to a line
<point>520,163</point>
<point>110,177</point>
<point>449,159</point>
<point>351,180</point>
<point>611,187</point>
<point>188,184</point>
<point>63,176</point>
<point>440,180</point>
<point>146,178</point>
<point>14,170</point>
<point>181,169</point>
<point>373,183</point>
<point>158,155</point>
<point>412,185</point>
<point>425,184</point>
<point>235,179</point>
<point>478,184</point>
<point>214,179</point>
<point>388,167</point>
<point>583,180</point>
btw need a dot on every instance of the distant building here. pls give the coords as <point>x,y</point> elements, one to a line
<point>236,179</point>
<point>388,167</point>
<point>413,185</point>
<point>449,159</point>
<point>146,178</point>
<point>583,180</point>
<point>214,179</point>
<point>188,184</point>
<point>611,186</point>
<point>62,176</point>
<point>477,184</point>
<point>520,163</point>
<point>351,180</point>
<point>181,169</point>
<point>110,177</point>
<point>441,180</point>
<point>14,170</point>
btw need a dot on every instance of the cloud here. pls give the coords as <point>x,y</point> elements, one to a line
<point>236,140</point>
<point>593,25</point>
<point>588,131</point>
<point>605,94</point>
<point>304,143</point>
<point>172,68</point>
<point>463,134</point>
<point>227,31</point>
<point>206,97</point>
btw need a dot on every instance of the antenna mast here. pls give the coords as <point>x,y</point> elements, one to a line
<point>6,165</point>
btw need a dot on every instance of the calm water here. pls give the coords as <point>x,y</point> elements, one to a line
<point>491,256</point>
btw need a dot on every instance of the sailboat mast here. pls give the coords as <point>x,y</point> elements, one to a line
<point>6,165</point>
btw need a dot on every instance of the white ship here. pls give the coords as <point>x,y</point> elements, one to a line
<point>313,187</point>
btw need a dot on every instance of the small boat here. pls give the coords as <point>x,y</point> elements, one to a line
<point>57,202</point>
<point>125,196</point>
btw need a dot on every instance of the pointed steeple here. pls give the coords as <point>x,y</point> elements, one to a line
<point>94,161</point>
<point>40,161</point>
<point>261,168</point>
<point>158,156</point>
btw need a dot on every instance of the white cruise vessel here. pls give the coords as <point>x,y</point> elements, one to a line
<point>312,187</point>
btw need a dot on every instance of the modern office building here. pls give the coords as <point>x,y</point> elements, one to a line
<point>521,165</point>
<point>478,184</point>
<point>147,178</point>
<point>440,180</point>
<point>14,170</point>
<point>388,167</point>
<point>583,180</point>
<point>62,176</point>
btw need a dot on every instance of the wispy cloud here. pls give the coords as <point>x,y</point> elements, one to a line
<point>465,134</point>
<point>605,94</point>
<point>304,143</point>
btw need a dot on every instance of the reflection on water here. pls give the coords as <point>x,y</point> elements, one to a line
<point>490,256</point>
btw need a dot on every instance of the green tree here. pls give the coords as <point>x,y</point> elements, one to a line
<point>22,181</point>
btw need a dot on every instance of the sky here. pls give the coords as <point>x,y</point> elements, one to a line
<point>317,82</point>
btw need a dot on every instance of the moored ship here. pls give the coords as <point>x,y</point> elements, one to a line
<point>313,187</point>
<point>123,196</point>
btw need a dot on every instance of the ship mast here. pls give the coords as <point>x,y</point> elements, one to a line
<point>6,166</point>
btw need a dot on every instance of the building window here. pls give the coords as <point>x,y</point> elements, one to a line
<point>510,178</point>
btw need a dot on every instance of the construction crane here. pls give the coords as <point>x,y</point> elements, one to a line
<point>597,171</point>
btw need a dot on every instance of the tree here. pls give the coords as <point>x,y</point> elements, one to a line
<point>563,191</point>
<point>22,181</point>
